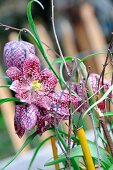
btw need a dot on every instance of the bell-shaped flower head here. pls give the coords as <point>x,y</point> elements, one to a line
<point>15,53</point>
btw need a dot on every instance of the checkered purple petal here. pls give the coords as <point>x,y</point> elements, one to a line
<point>29,118</point>
<point>15,53</point>
<point>25,118</point>
<point>14,73</point>
<point>31,67</point>
<point>48,79</point>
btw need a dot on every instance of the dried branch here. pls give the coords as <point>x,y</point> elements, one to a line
<point>54,30</point>
<point>105,129</point>
<point>106,133</point>
<point>106,61</point>
<point>7,27</point>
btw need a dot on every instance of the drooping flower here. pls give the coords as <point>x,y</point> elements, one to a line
<point>37,89</point>
<point>96,83</point>
<point>40,118</point>
<point>32,85</point>
<point>81,89</point>
<point>94,80</point>
<point>15,53</point>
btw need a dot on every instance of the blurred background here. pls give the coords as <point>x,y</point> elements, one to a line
<point>83,27</point>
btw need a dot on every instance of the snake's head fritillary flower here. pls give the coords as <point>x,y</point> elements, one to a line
<point>15,53</point>
<point>37,89</point>
<point>96,84</point>
<point>94,80</point>
<point>32,85</point>
<point>26,117</point>
<point>40,117</point>
<point>81,89</point>
<point>29,116</point>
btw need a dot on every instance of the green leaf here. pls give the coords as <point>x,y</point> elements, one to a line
<point>61,139</point>
<point>13,99</point>
<point>60,60</point>
<point>5,86</point>
<point>100,100</point>
<point>61,72</point>
<point>4,77</point>
<point>75,163</point>
<point>32,24</point>
<point>111,167</point>
<point>37,149</point>
<point>28,140</point>
<point>77,152</point>
<point>101,137</point>
<point>108,114</point>
<point>92,55</point>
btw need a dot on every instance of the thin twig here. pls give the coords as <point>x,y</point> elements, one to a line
<point>106,61</point>
<point>9,27</point>
<point>54,30</point>
<point>69,135</point>
<point>69,142</point>
<point>105,129</point>
<point>106,133</point>
<point>51,49</point>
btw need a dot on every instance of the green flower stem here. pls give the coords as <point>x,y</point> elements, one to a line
<point>5,86</point>
<point>62,140</point>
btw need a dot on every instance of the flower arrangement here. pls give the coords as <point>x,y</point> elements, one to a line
<point>41,107</point>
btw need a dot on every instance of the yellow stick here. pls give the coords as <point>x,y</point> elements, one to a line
<point>85,149</point>
<point>55,152</point>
